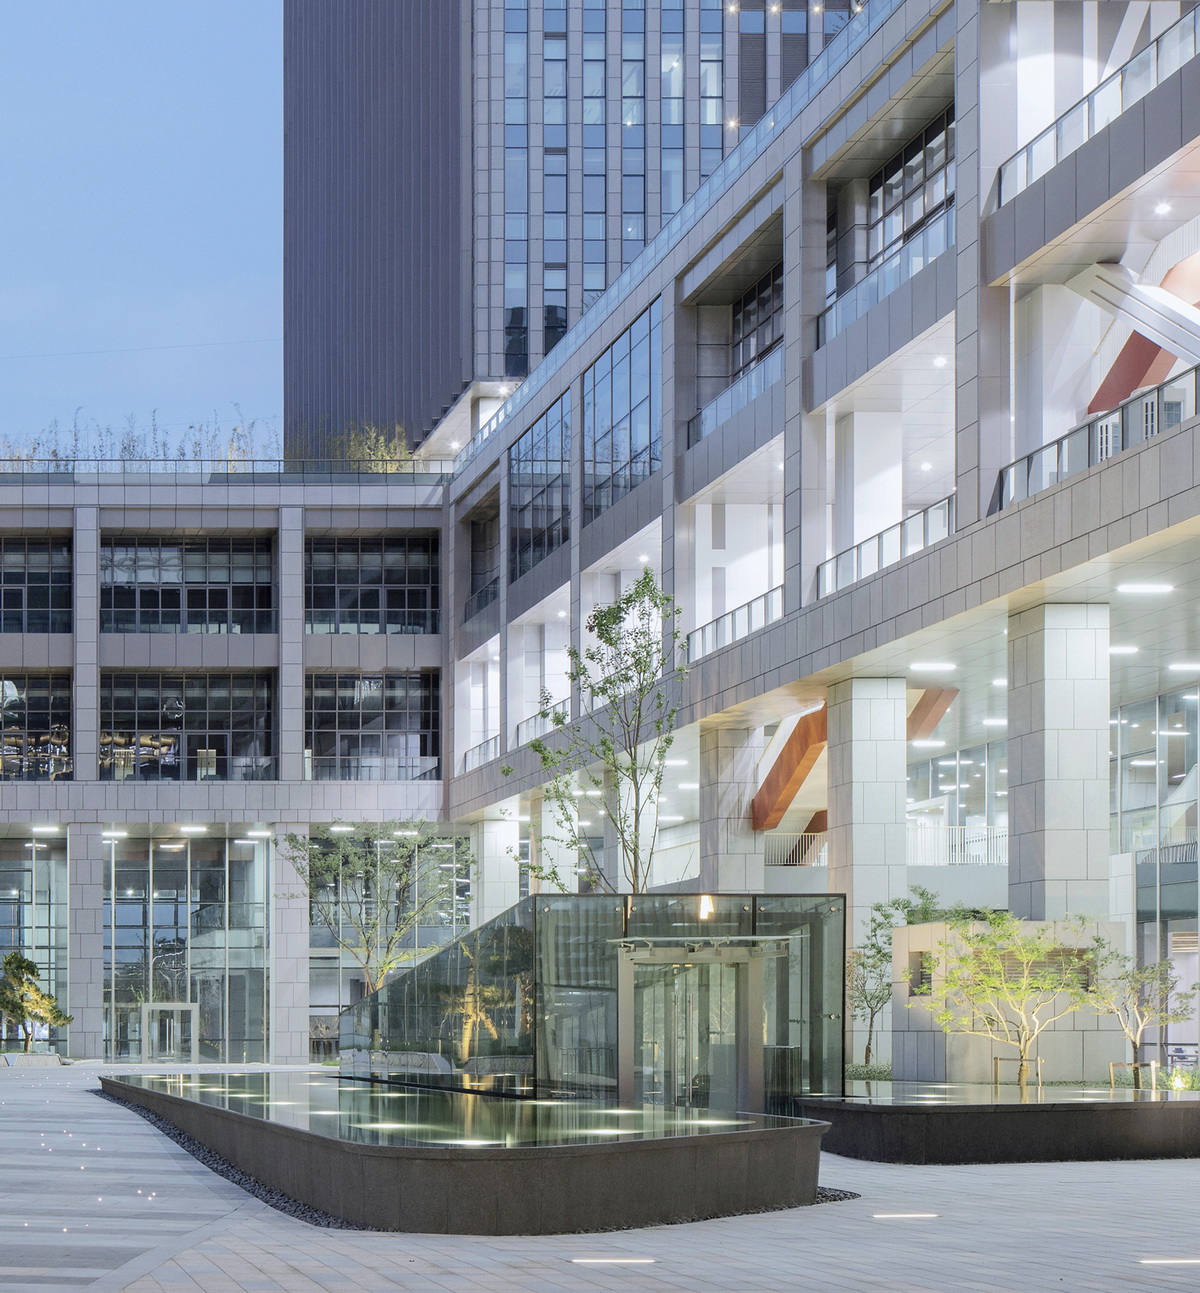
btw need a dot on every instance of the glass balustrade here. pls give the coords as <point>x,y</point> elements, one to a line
<point>915,533</point>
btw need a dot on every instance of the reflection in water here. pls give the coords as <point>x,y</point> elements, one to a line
<point>367,1114</point>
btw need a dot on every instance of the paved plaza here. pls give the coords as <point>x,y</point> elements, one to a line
<point>93,1197</point>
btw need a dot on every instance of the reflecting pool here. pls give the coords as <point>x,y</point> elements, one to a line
<point>373,1114</point>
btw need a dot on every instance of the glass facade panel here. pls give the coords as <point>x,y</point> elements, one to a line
<point>539,493</point>
<point>372,727</point>
<point>35,727</point>
<point>186,586</point>
<point>372,585</point>
<point>622,422</point>
<point>757,322</point>
<point>193,727</point>
<point>35,585</point>
<point>185,924</point>
<point>915,186</point>
<point>33,918</point>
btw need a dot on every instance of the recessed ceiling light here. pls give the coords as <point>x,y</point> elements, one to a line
<point>999,682</point>
<point>927,466</point>
<point>1122,650</point>
<point>340,829</point>
<point>192,829</point>
<point>675,763</point>
<point>114,835</point>
<point>901,1216</point>
<point>1145,588</point>
<point>1170,1261</point>
<point>1186,666</point>
<point>44,830</point>
<point>259,835</point>
<point>643,558</point>
<point>932,666</point>
<point>995,722</point>
<point>1163,208</point>
<point>928,745</point>
<point>243,841</point>
<point>940,361</point>
<point>562,615</point>
<point>454,444</point>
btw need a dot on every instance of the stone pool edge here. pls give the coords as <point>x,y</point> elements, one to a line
<point>490,1191</point>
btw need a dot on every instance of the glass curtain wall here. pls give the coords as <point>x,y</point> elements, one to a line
<point>539,493</point>
<point>622,415</point>
<point>961,787</point>
<point>372,727</point>
<point>35,592</point>
<point>165,585</point>
<point>35,727</point>
<point>33,916</point>
<point>186,727</point>
<point>185,945</point>
<point>372,585</point>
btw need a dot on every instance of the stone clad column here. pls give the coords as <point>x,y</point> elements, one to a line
<point>290,694</point>
<point>1058,743</point>
<point>867,728</point>
<point>731,852</point>
<point>88,865</point>
<point>85,557</point>
<point>288,1027</point>
<point>496,879</point>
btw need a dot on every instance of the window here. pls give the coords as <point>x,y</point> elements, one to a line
<point>757,322</point>
<point>373,585</point>
<point>372,727</point>
<point>186,586</point>
<point>35,595</point>
<point>622,431</point>
<point>35,727</point>
<point>539,489</point>
<point>914,187</point>
<point>193,727</point>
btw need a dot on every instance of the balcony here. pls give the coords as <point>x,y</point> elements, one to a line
<point>370,767</point>
<point>913,534</point>
<point>735,624</point>
<point>484,596</point>
<point>1176,46</point>
<point>482,753</point>
<point>748,387</point>
<point>1105,436</point>
<point>922,248</point>
<point>540,723</point>
<point>927,846</point>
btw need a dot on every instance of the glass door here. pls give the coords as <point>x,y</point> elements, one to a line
<point>169,1034</point>
<point>685,1021</point>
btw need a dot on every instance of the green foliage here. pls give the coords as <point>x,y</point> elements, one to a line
<point>1006,980</point>
<point>1139,997</point>
<point>364,446</point>
<point>615,756</point>
<point>373,887</point>
<point>22,1001</point>
<point>868,1072</point>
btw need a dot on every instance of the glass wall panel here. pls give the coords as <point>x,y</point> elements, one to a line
<point>539,503</point>
<point>35,585</point>
<point>372,727</point>
<point>33,919</point>
<point>375,585</point>
<point>35,727</point>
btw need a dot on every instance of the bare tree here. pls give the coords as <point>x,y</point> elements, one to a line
<point>373,886</point>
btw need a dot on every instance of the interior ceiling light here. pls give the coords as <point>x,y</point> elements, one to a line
<point>927,466</point>
<point>44,830</point>
<point>259,835</point>
<point>1122,650</point>
<point>928,745</point>
<point>940,361</point>
<point>1145,588</point>
<point>1186,666</point>
<point>341,830</point>
<point>1163,208</point>
<point>932,666</point>
<point>995,722</point>
<point>193,830</point>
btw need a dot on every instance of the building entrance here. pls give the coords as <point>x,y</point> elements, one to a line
<point>170,1032</point>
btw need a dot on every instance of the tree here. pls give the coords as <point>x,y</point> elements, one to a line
<point>869,965</point>
<point>22,1001</point>
<point>1006,980</point>
<point>1139,996</point>
<point>365,446</point>
<point>371,887</point>
<point>614,756</point>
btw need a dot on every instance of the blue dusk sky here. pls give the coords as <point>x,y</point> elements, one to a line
<point>141,212</point>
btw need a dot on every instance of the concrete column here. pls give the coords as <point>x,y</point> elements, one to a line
<point>85,736</point>
<point>288,1027</point>
<point>88,858</point>
<point>867,720</point>
<point>496,880</point>
<point>731,853</point>
<point>1058,741</point>
<point>552,853</point>
<point>290,723</point>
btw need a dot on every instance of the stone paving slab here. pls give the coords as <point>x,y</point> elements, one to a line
<point>71,1216</point>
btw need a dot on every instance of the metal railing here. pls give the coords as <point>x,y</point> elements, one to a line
<point>936,237</point>
<point>418,471</point>
<point>748,387</point>
<point>915,533</point>
<point>370,767</point>
<point>133,765</point>
<point>482,597</point>
<point>815,77</point>
<point>539,724</point>
<point>926,846</point>
<point>1130,83</point>
<point>1138,419</point>
<point>482,753</point>
<point>735,624</point>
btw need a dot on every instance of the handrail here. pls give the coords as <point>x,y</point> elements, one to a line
<point>482,753</point>
<point>748,387</point>
<point>482,597</point>
<point>368,767</point>
<point>539,724</point>
<point>1138,419</point>
<point>831,60</point>
<point>736,624</point>
<point>1127,85</point>
<point>420,471</point>
<point>930,525</point>
<point>904,263</point>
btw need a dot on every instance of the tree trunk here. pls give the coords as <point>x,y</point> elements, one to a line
<point>870,1039</point>
<point>1023,1074</point>
<point>28,1038</point>
<point>1137,1072</point>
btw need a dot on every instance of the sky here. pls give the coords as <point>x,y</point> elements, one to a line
<point>140,213</point>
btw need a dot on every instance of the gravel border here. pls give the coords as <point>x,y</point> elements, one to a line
<point>315,1216</point>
